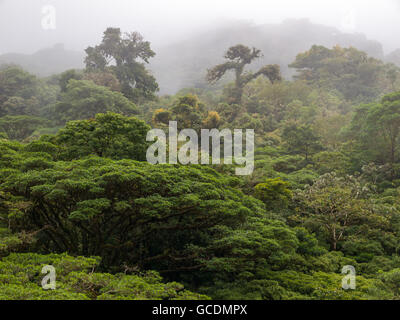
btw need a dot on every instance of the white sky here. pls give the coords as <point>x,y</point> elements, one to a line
<point>81,22</point>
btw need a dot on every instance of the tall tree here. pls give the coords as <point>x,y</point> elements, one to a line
<point>124,55</point>
<point>238,57</point>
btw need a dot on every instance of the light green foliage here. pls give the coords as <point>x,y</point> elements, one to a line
<point>275,193</point>
<point>328,286</point>
<point>325,162</point>
<point>108,135</point>
<point>342,209</point>
<point>20,279</point>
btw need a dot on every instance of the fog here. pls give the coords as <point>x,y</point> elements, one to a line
<point>80,23</point>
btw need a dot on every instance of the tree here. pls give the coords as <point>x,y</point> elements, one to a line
<point>105,79</point>
<point>21,127</point>
<point>336,205</point>
<point>16,106</point>
<point>83,100</point>
<point>275,193</point>
<point>66,76</point>
<point>161,116</point>
<point>393,75</point>
<point>386,116</point>
<point>188,112</point>
<point>154,217</point>
<point>14,82</point>
<point>348,70</point>
<point>189,223</point>
<point>301,139</point>
<point>121,54</point>
<point>108,135</point>
<point>22,93</point>
<point>212,121</point>
<point>238,57</point>
<point>378,124</point>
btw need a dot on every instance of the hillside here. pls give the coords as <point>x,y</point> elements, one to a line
<point>184,64</point>
<point>47,61</point>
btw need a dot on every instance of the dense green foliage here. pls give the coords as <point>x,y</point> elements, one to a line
<point>21,275</point>
<point>347,70</point>
<point>77,193</point>
<point>83,100</point>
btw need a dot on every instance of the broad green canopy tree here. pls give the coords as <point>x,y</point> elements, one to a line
<point>238,57</point>
<point>124,55</point>
<point>190,223</point>
<point>347,70</point>
<point>83,100</point>
<point>108,135</point>
<point>127,211</point>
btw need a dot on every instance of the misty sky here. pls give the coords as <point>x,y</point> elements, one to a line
<point>80,23</point>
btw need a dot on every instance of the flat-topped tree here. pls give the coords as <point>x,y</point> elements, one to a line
<point>238,57</point>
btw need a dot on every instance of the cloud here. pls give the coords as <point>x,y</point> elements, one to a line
<point>81,23</point>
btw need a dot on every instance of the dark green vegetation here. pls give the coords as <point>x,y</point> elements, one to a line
<point>77,193</point>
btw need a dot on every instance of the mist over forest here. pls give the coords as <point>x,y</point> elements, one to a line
<point>184,63</point>
<point>186,46</point>
<point>294,193</point>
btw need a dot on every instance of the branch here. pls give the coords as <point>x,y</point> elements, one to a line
<point>216,73</point>
<point>272,72</point>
